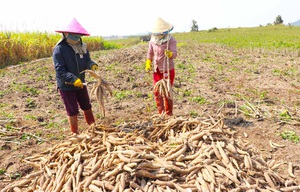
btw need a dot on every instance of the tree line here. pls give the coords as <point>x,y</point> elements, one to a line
<point>195,27</point>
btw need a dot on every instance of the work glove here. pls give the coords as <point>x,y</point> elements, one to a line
<point>94,67</point>
<point>168,53</point>
<point>148,65</point>
<point>78,83</point>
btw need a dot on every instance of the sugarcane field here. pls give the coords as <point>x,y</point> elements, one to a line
<point>235,123</point>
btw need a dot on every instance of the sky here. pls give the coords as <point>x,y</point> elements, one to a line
<point>134,17</point>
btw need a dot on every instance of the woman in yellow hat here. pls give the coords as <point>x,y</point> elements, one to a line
<point>71,57</point>
<point>161,53</point>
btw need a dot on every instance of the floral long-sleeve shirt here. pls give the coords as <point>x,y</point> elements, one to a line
<point>157,56</point>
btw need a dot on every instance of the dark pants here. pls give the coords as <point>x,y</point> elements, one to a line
<point>74,98</point>
<point>162,103</point>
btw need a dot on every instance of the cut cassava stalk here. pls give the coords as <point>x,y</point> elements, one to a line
<point>99,90</point>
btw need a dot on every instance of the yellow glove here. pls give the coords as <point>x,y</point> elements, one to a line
<point>148,65</point>
<point>168,53</point>
<point>78,83</point>
<point>94,67</point>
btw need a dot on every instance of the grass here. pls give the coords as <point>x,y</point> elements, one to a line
<point>269,37</point>
<point>30,117</point>
<point>193,114</point>
<point>122,94</point>
<point>200,100</point>
<point>187,93</point>
<point>290,135</point>
<point>285,115</point>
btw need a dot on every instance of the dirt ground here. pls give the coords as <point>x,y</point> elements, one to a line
<point>256,91</point>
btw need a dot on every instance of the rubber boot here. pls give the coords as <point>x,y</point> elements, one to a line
<point>159,102</point>
<point>168,106</point>
<point>89,117</point>
<point>73,121</point>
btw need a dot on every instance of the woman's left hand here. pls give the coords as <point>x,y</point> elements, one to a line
<point>168,53</point>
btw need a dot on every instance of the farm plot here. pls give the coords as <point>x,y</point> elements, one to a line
<point>254,94</point>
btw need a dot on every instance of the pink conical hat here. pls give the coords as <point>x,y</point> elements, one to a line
<point>74,27</point>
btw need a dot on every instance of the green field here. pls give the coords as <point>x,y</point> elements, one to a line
<point>271,37</point>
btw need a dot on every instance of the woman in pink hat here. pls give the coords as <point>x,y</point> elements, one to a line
<point>71,57</point>
<point>161,53</point>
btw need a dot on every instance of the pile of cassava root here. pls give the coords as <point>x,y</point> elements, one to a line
<point>176,154</point>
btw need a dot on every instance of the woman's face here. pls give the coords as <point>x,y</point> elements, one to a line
<point>72,38</point>
<point>160,36</point>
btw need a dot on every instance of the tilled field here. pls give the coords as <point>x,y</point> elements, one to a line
<point>231,107</point>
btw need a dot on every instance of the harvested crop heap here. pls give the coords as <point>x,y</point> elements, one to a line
<point>177,154</point>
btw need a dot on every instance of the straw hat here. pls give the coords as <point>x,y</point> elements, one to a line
<point>161,27</point>
<point>74,27</point>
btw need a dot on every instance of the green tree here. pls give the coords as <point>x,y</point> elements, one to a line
<point>194,26</point>
<point>278,20</point>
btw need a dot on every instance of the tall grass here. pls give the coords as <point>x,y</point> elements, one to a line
<point>21,47</point>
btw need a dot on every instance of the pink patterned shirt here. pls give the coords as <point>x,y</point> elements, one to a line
<point>157,56</point>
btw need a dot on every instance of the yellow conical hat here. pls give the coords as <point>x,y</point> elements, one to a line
<point>161,26</point>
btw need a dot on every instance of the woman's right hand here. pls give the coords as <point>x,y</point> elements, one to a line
<point>148,65</point>
<point>78,83</point>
